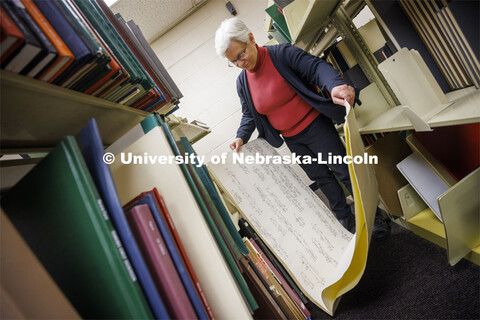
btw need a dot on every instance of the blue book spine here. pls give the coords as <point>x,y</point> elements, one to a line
<point>153,105</point>
<point>91,146</point>
<point>172,111</point>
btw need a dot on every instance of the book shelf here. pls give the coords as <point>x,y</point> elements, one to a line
<point>37,115</point>
<point>427,226</point>
<point>465,109</point>
<point>192,131</point>
<point>451,218</point>
<point>381,110</point>
<point>305,17</point>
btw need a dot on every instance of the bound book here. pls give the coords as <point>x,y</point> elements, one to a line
<point>64,222</point>
<point>215,201</point>
<point>30,49</point>
<point>289,308</point>
<point>268,307</point>
<point>116,74</point>
<point>125,33</point>
<point>11,36</point>
<point>203,201</point>
<point>148,51</point>
<point>159,262</point>
<point>101,57</point>
<point>48,53</point>
<point>282,281</point>
<point>247,231</point>
<point>91,146</point>
<point>148,198</point>
<point>65,56</point>
<point>178,242</point>
<point>97,18</point>
<point>84,58</point>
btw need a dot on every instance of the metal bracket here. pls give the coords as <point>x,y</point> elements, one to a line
<point>365,58</point>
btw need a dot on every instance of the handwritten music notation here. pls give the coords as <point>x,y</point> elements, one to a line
<point>288,215</point>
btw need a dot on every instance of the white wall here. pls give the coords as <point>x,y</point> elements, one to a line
<point>207,83</point>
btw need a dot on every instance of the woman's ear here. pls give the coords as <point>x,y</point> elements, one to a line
<point>251,37</point>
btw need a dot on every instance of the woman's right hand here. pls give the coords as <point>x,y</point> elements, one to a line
<point>236,144</point>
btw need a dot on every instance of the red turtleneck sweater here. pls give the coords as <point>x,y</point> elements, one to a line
<point>273,97</point>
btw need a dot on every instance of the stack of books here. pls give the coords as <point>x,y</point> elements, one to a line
<point>81,45</point>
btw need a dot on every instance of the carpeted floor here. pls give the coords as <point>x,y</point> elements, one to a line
<point>408,277</point>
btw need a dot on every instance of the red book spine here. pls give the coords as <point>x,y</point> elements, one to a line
<point>159,262</point>
<point>166,216</point>
<point>149,96</point>
<point>12,38</point>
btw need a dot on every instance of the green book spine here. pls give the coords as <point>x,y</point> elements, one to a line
<point>98,19</point>
<point>108,35</point>
<point>217,203</point>
<point>106,12</point>
<point>149,123</point>
<point>280,21</point>
<point>212,210</point>
<point>218,237</point>
<point>58,211</point>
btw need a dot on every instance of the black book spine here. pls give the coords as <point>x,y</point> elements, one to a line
<point>95,75</point>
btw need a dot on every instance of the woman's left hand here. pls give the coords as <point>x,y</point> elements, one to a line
<point>343,92</point>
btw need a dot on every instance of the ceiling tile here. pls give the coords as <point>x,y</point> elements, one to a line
<point>154,17</point>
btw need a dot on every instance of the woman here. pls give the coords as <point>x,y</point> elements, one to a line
<point>278,97</point>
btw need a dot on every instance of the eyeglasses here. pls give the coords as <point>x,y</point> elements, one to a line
<point>239,58</point>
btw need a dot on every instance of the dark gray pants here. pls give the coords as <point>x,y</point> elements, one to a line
<point>322,137</point>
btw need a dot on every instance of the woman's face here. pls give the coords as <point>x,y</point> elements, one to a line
<point>243,55</point>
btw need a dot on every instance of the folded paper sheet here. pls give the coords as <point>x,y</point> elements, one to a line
<point>324,259</point>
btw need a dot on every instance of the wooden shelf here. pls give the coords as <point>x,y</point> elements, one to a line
<point>465,109</point>
<point>37,115</point>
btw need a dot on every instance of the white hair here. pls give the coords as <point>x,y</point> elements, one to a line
<point>230,29</point>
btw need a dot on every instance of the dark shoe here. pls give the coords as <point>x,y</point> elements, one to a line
<point>381,228</point>
<point>348,223</point>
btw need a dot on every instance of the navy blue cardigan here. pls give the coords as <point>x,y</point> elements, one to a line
<point>301,70</point>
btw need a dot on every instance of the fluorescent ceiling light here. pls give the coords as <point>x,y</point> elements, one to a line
<point>110,2</point>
